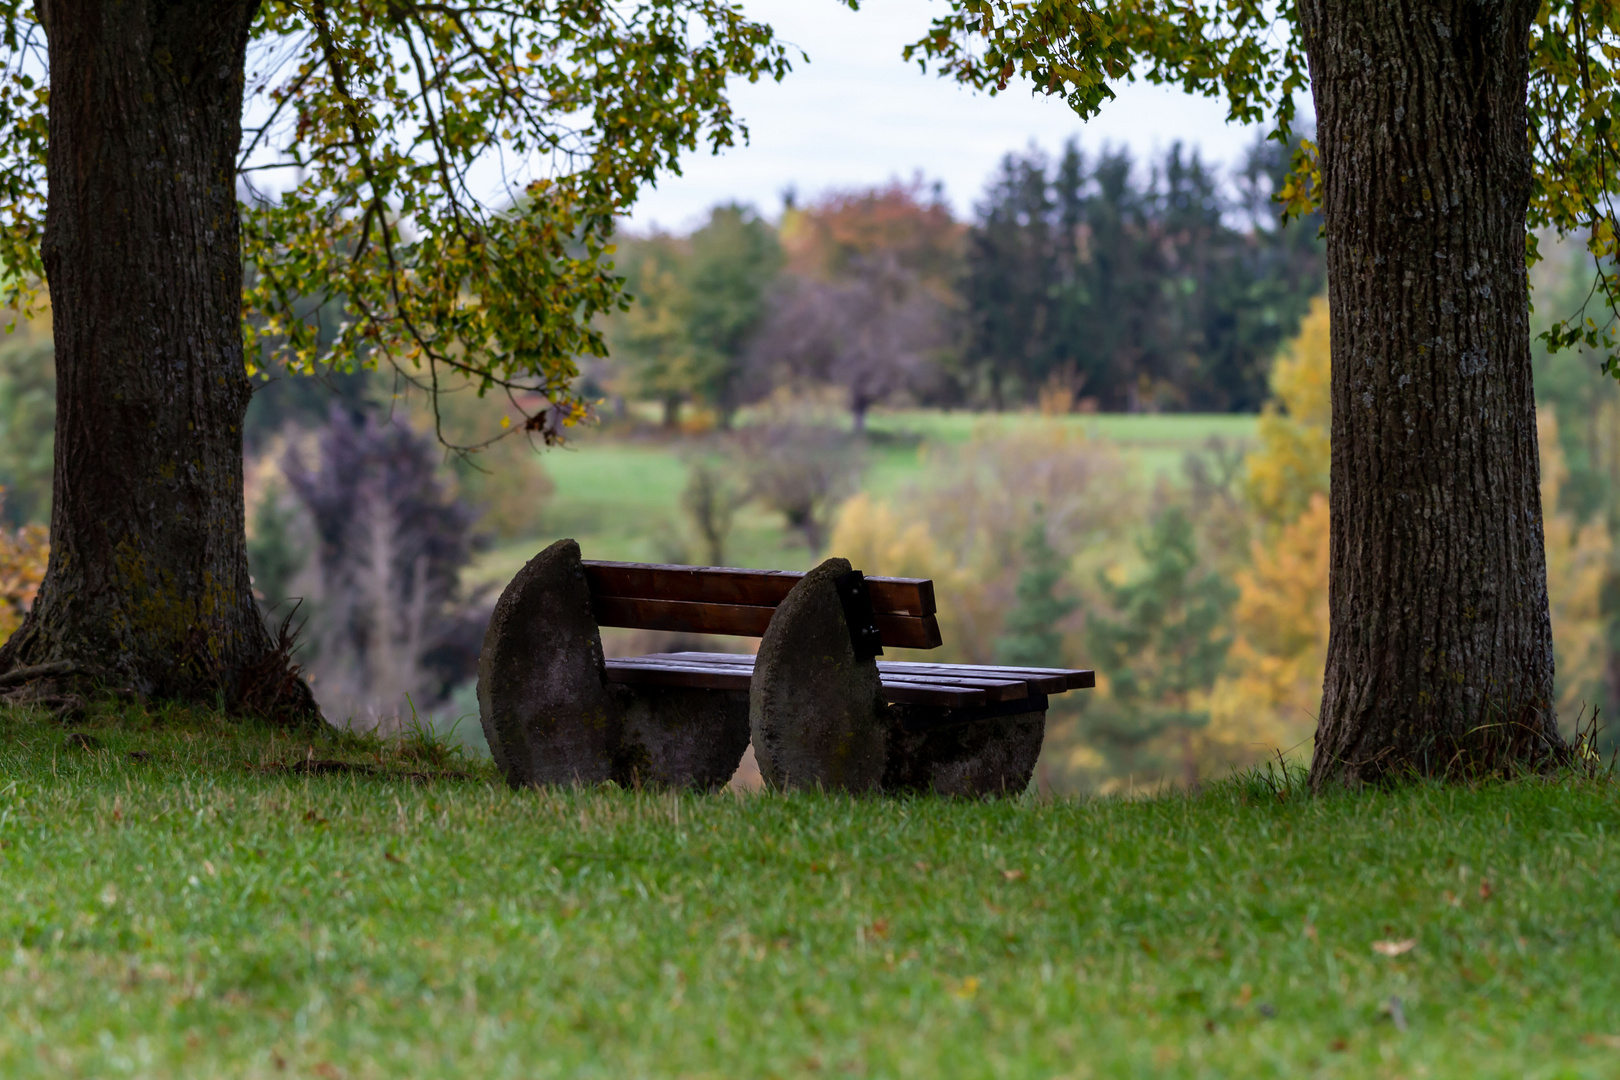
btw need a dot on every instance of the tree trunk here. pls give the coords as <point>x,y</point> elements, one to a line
<point>858,407</point>
<point>1440,659</point>
<point>148,579</point>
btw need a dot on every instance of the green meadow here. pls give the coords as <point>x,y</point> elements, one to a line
<point>188,898</point>
<point>620,496</point>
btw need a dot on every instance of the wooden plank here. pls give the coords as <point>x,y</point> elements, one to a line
<point>908,631</point>
<point>637,670</point>
<point>993,690</point>
<point>902,595</point>
<point>703,657</point>
<point>1055,683</point>
<point>742,620</point>
<point>1040,680</point>
<point>997,689</point>
<point>710,678</point>
<point>962,691</point>
<point>731,585</point>
<point>919,694</point>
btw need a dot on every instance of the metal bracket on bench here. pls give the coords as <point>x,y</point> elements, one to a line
<point>857,601</point>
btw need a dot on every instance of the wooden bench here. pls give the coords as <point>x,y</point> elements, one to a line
<point>818,704</point>
<point>727,601</point>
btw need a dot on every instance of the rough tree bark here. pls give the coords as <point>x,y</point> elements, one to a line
<point>148,579</point>
<point>1440,657</point>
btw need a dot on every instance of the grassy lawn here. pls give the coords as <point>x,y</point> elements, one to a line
<point>621,498</point>
<point>203,911</point>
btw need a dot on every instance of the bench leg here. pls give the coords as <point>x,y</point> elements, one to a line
<point>552,717</point>
<point>816,712</point>
<point>992,757</point>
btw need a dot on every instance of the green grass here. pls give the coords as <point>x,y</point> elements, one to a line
<point>198,913</point>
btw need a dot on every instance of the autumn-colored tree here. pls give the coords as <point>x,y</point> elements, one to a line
<point>1579,557</point>
<point>909,221</point>
<point>1269,697</point>
<point>866,303</point>
<point>24,551</point>
<point>1290,466</point>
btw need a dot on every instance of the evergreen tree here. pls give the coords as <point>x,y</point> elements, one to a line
<point>734,259</point>
<point>1135,282</point>
<point>1160,654</point>
<point>1031,637</point>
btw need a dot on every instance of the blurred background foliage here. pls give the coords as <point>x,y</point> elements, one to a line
<point>1096,415</point>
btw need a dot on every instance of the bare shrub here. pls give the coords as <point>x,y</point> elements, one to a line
<point>801,471</point>
<point>391,540</point>
<point>966,528</point>
<point>874,333</point>
<point>711,500</point>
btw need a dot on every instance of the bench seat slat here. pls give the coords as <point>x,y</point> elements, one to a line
<point>737,677</point>
<point>730,585</point>
<point>743,620</point>
<point>1041,680</point>
<point>998,689</point>
<point>701,677</point>
<point>734,669</point>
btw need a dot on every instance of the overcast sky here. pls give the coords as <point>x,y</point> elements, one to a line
<point>857,115</point>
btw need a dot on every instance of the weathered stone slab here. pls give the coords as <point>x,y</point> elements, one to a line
<point>551,716</point>
<point>981,758</point>
<point>816,713</point>
<point>543,697</point>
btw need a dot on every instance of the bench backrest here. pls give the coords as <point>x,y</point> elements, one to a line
<point>722,600</point>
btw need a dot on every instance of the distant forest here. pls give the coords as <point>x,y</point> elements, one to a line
<point>1084,282</point>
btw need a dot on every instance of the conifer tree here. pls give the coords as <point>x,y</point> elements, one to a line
<point>1161,653</point>
<point>1031,637</point>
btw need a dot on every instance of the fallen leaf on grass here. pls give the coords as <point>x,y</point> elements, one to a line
<point>1610,1041</point>
<point>1394,948</point>
<point>1338,1046</point>
<point>1013,875</point>
<point>1485,888</point>
<point>966,988</point>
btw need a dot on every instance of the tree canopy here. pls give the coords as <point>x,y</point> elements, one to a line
<point>1129,284</point>
<point>448,175</point>
<point>1253,53</point>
